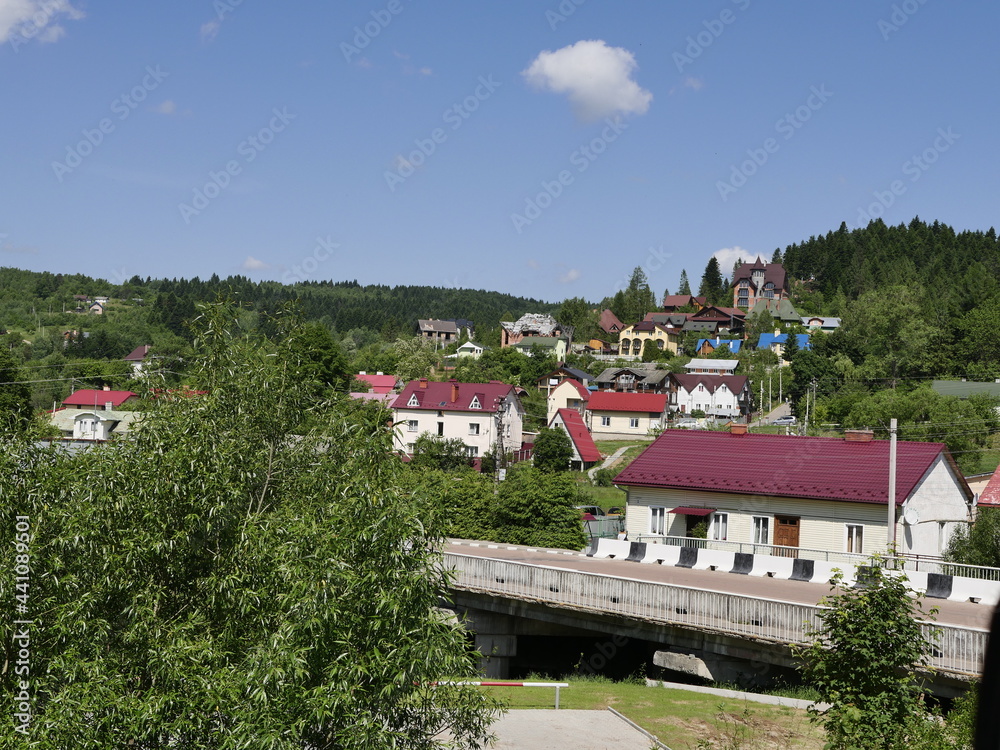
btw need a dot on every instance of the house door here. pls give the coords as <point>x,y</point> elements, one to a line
<point>786,534</point>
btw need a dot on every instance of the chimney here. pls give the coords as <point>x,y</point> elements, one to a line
<point>454,390</point>
<point>737,429</point>
<point>859,436</point>
<point>107,387</point>
<point>423,383</point>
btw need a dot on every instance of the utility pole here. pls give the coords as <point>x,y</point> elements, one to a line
<point>891,527</point>
<point>779,385</point>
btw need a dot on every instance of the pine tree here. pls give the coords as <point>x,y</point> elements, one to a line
<point>776,258</point>
<point>684,287</point>
<point>711,282</point>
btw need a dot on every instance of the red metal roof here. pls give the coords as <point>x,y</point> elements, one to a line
<point>437,396</point>
<point>650,403</point>
<point>990,496</point>
<point>378,383</point>
<point>93,397</point>
<point>783,466</point>
<point>579,434</point>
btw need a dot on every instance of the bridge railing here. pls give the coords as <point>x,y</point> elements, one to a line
<point>955,649</point>
<point>915,563</point>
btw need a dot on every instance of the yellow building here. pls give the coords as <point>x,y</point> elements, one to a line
<point>633,340</point>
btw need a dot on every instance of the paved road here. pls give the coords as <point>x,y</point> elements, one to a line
<point>566,728</point>
<point>950,613</point>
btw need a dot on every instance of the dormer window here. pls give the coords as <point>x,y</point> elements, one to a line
<point>413,400</point>
<point>475,403</point>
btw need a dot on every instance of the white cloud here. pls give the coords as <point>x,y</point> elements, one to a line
<point>694,83</point>
<point>570,276</point>
<point>209,30</point>
<point>727,257</point>
<point>24,20</point>
<point>166,107</point>
<point>532,263</point>
<point>252,264</point>
<point>425,71</point>
<point>596,78</point>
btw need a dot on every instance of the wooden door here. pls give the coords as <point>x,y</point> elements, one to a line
<point>786,534</point>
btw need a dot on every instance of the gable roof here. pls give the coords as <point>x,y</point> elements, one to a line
<point>773,273</point>
<point>138,354</point>
<point>91,397</point>
<point>690,381</point>
<point>452,396</point>
<point>650,403</point>
<point>609,322</point>
<point>990,496</point>
<point>580,388</point>
<point>712,364</point>
<point>767,340</point>
<point>678,300</point>
<point>733,344</point>
<point>437,326</point>
<point>578,433</point>
<point>379,383</point>
<point>668,319</point>
<point>784,466</point>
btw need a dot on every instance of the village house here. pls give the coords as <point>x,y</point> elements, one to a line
<point>776,342</point>
<point>635,338</point>
<point>707,346</point>
<point>481,415</point>
<point>719,396</point>
<point>444,332</point>
<point>377,383</point>
<point>609,323</point>
<point>712,366</point>
<point>759,280</point>
<point>585,453</point>
<point>137,359</point>
<point>529,325</point>
<point>817,323</point>
<point>550,346</point>
<point>92,414</point>
<point>637,378</point>
<point>779,491</point>
<point>560,374</point>
<point>569,394</point>
<point>628,414</point>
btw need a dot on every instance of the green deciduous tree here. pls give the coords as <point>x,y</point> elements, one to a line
<point>218,581</point>
<point>15,396</point>
<point>978,544</point>
<point>864,661</point>
<point>553,450</point>
<point>445,454</point>
<point>538,509</point>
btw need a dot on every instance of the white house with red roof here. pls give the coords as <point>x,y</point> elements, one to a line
<point>726,396</point>
<point>569,394</point>
<point>609,413</point>
<point>816,493</point>
<point>481,415</point>
<point>91,414</point>
<point>585,453</point>
<point>101,400</point>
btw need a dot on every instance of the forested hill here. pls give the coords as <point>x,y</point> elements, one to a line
<point>961,268</point>
<point>341,306</point>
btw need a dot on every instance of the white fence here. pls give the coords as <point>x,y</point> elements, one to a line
<point>957,650</point>
<point>913,563</point>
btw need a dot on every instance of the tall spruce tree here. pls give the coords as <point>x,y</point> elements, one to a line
<point>711,282</point>
<point>684,287</point>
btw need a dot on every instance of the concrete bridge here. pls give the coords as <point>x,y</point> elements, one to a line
<point>706,623</point>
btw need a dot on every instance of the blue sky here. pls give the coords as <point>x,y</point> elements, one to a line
<point>539,148</point>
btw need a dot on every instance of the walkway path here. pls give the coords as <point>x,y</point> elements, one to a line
<point>608,462</point>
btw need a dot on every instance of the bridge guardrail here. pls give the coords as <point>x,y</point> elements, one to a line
<point>914,563</point>
<point>957,650</point>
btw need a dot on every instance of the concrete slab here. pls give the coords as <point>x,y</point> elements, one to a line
<point>565,728</point>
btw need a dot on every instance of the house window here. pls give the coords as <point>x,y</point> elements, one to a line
<point>473,428</point>
<point>411,425</point>
<point>657,520</point>
<point>701,389</point>
<point>475,403</point>
<point>761,525</point>
<point>605,421</point>
<point>855,538</point>
<point>440,429</point>
<point>471,451</point>
<point>720,526</point>
<point>413,401</point>
<point>633,422</point>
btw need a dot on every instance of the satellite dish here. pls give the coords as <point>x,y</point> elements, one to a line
<point>911,517</point>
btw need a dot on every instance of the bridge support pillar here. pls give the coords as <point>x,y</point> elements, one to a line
<point>495,640</point>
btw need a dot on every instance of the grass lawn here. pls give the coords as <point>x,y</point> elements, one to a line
<point>681,720</point>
